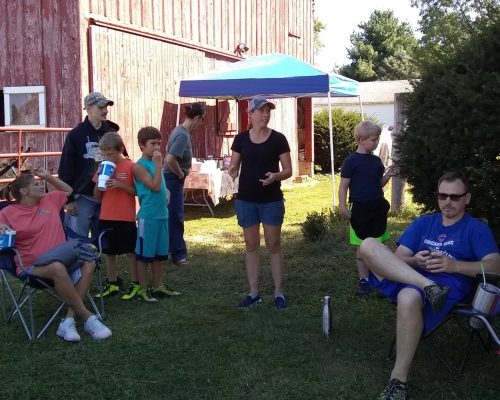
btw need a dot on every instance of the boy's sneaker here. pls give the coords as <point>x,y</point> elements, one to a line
<point>182,262</point>
<point>280,302</point>
<point>164,291</point>
<point>146,295</point>
<point>364,287</point>
<point>395,390</point>
<point>436,295</point>
<point>110,289</point>
<point>248,301</point>
<point>95,328</point>
<point>67,330</point>
<point>132,290</point>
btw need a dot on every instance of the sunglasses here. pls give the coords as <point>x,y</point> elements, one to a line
<point>453,197</point>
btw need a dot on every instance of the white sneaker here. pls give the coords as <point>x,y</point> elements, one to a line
<point>95,328</point>
<point>67,330</point>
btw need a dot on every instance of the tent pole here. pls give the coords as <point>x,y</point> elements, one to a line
<point>361,109</point>
<point>330,128</point>
<point>178,111</point>
<point>178,89</point>
<point>237,125</point>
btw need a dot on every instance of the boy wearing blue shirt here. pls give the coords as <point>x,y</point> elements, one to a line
<point>363,174</point>
<point>152,218</point>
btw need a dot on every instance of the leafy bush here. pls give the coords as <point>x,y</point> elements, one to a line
<point>322,224</point>
<point>453,123</point>
<point>343,124</point>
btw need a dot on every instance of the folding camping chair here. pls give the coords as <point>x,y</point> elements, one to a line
<point>30,285</point>
<point>23,298</point>
<point>475,323</point>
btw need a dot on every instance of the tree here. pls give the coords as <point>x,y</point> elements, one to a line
<point>383,49</point>
<point>343,124</point>
<point>317,43</point>
<point>447,24</point>
<point>453,123</point>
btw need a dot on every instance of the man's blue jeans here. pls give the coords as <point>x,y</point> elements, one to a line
<point>86,221</point>
<point>177,245</point>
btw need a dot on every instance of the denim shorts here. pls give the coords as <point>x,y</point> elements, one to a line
<point>250,213</point>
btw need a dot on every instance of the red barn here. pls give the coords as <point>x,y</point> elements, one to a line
<point>136,52</point>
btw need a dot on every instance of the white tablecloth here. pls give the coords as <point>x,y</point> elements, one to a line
<point>216,182</point>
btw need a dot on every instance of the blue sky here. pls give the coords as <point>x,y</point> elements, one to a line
<point>342,18</point>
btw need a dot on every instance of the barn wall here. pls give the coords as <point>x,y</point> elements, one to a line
<point>139,51</point>
<point>39,46</point>
<point>136,51</point>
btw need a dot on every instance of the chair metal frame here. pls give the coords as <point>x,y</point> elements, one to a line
<point>459,312</point>
<point>32,284</point>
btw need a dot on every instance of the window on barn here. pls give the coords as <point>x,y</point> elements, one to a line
<point>24,106</point>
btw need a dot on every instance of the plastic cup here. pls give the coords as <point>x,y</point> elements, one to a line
<point>106,170</point>
<point>7,239</point>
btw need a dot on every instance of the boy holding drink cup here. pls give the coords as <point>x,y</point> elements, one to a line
<point>152,218</point>
<point>117,195</point>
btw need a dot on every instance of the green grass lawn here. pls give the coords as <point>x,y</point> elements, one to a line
<point>201,346</point>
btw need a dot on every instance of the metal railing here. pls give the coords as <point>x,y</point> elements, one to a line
<point>20,155</point>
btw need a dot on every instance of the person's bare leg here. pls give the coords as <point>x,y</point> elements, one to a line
<point>272,236</point>
<point>252,243</point>
<point>361,266</point>
<point>156,274</point>
<point>133,267</point>
<point>64,287</point>
<point>83,284</point>
<point>409,326</point>
<point>384,264</point>
<point>111,267</point>
<point>142,274</point>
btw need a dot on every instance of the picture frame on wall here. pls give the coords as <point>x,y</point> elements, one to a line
<point>25,106</point>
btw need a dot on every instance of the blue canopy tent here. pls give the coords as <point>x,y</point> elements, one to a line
<point>272,76</point>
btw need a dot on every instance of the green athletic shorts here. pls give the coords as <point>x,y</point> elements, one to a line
<point>356,241</point>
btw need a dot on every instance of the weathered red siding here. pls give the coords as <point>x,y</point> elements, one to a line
<point>136,52</point>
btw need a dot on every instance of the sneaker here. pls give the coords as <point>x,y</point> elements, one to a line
<point>395,390</point>
<point>280,302</point>
<point>95,328</point>
<point>132,290</point>
<point>164,291</point>
<point>67,330</point>
<point>364,287</point>
<point>146,295</point>
<point>181,262</point>
<point>110,289</point>
<point>249,301</point>
<point>436,295</point>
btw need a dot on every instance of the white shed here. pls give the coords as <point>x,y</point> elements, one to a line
<point>378,100</point>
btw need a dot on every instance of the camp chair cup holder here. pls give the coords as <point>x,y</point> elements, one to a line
<point>486,305</point>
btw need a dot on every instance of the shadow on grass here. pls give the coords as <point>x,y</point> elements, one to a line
<point>201,346</point>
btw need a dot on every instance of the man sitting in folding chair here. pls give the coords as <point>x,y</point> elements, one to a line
<point>39,235</point>
<point>431,271</point>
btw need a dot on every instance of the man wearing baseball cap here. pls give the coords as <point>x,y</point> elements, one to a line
<point>79,162</point>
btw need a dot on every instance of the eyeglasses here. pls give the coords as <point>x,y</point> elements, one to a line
<point>453,197</point>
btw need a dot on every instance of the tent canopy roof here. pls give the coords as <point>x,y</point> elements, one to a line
<point>270,75</point>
